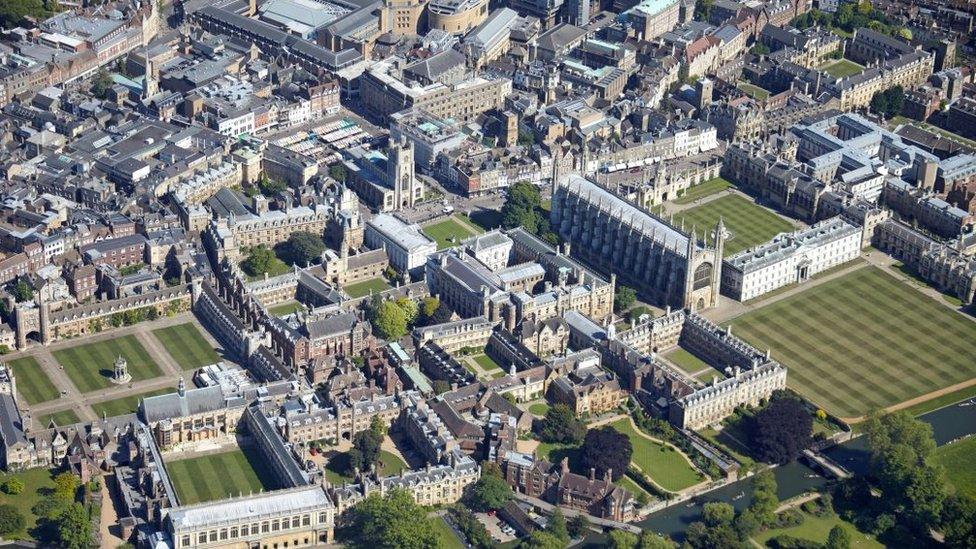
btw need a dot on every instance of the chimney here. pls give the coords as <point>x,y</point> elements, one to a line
<point>592,473</point>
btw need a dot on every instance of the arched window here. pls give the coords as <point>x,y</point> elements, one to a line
<point>703,276</point>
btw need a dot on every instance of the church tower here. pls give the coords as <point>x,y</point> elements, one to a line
<point>407,189</point>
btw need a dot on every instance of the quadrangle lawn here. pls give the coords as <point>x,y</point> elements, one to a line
<point>863,341</point>
<point>754,91</point>
<point>284,309</point>
<point>126,405</point>
<point>218,476</point>
<point>748,223</point>
<point>487,364</point>
<point>32,383</point>
<point>444,231</point>
<point>64,417</point>
<point>90,366</point>
<point>187,346</point>
<point>960,471</point>
<point>842,68</point>
<point>360,289</point>
<point>337,468</point>
<point>708,188</point>
<point>667,467</point>
<point>37,483</point>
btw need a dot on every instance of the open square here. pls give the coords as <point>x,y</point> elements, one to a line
<point>187,346</point>
<point>843,68</point>
<point>447,233</point>
<point>748,223</point>
<point>863,341</point>
<point>90,365</point>
<point>32,383</point>
<point>219,476</point>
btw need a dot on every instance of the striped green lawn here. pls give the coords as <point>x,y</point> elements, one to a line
<point>32,382</point>
<point>667,467</point>
<point>219,476</point>
<point>701,190</point>
<point>91,366</point>
<point>748,223</point>
<point>447,233</point>
<point>863,341</point>
<point>187,346</point>
<point>126,405</point>
<point>64,417</point>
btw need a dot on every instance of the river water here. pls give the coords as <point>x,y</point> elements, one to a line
<point>948,423</point>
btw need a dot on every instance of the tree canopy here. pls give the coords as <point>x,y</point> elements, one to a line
<point>302,248</point>
<point>389,320</point>
<point>523,208</point>
<point>271,187</point>
<point>262,260</point>
<point>365,449</point>
<point>490,492</point>
<point>624,298</point>
<point>781,430</point>
<point>560,425</point>
<point>393,521</point>
<point>607,449</point>
<point>11,519</point>
<point>14,12</point>
<point>888,102</point>
<point>23,291</point>
<point>74,527</point>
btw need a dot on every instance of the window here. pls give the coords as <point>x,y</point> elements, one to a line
<point>185,541</point>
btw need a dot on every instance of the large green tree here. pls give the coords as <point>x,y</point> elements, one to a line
<point>560,425</point>
<point>365,450</point>
<point>260,260</point>
<point>302,248</point>
<point>624,297</point>
<point>390,320</point>
<point>839,538</point>
<point>74,527</point>
<point>11,520</point>
<point>764,498</point>
<point>393,521</point>
<point>607,449</point>
<point>490,492</point>
<point>782,430</point>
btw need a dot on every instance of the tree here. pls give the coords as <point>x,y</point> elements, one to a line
<point>759,49</point>
<point>428,306</point>
<point>390,321</point>
<point>745,524</point>
<point>271,187</point>
<point>338,172</point>
<point>393,521</point>
<point>441,315</point>
<point>66,486</point>
<point>782,430</point>
<point>490,492</point>
<point>703,9</point>
<point>23,291</point>
<point>560,425</point>
<point>624,298</point>
<point>14,13</point>
<point>888,102</point>
<point>578,526</point>
<point>11,520</point>
<point>715,513</point>
<point>365,450</point>
<point>557,526</point>
<point>959,522</point>
<point>409,308</point>
<point>764,498</point>
<point>13,486</point>
<point>74,527</point>
<point>700,536</point>
<point>101,84</point>
<point>651,540</point>
<point>440,386</point>
<point>622,539</point>
<point>607,449</point>
<point>839,538</point>
<point>259,260</point>
<point>302,248</point>
<point>472,528</point>
<point>540,539</point>
<point>520,207</point>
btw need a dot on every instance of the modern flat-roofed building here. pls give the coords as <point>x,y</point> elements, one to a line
<point>652,18</point>
<point>407,247</point>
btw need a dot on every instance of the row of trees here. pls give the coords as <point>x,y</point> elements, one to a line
<point>392,318</point>
<point>850,17</point>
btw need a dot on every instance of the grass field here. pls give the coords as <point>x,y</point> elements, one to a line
<point>483,219</point>
<point>729,444</point>
<point>37,483</point>
<point>218,476</point>
<point>90,366</point>
<point>630,485</point>
<point>863,341</point>
<point>32,382</point>
<point>960,471</point>
<point>944,400</point>
<point>363,288</point>
<point>843,68</point>
<point>687,361</point>
<point>337,469</point>
<point>445,534</point>
<point>187,346</point>
<point>816,529</point>
<point>701,190</point>
<point>539,409</point>
<point>487,364</point>
<point>64,417</point>
<point>126,405</point>
<point>667,467</point>
<point>753,91</point>
<point>285,308</point>
<point>748,223</point>
<point>444,231</point>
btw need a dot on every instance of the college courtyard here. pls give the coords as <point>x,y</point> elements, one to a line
<point>73,380</point>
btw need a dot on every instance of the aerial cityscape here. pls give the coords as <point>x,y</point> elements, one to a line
<point>537,274</point>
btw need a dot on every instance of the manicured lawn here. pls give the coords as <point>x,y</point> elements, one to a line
<point>336,470</point>
<point>816,529</point>
<point>219,476</point>
<point>729,444</point>
<point>447,233</point>
<point>37,483</point>
<point>688,362</point>
<point>701,190</point>
<point>539,409</point>
<point>445,534</point>
<point>753,91</point>
<point>487,364</point>
<point>842,68</point>
<point>187,346</point>
<point>942,401</point>
<point>126,405</point>
<point>863,341</point>
<point>626,483</point>
<point>91,366</point>
<point>747,223</point>
<point>64,417</point>
<point>667,467</point>
<point>960,471</point>
<point>283,309</point>
<point>360,289</point>
<point>32,382</point>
